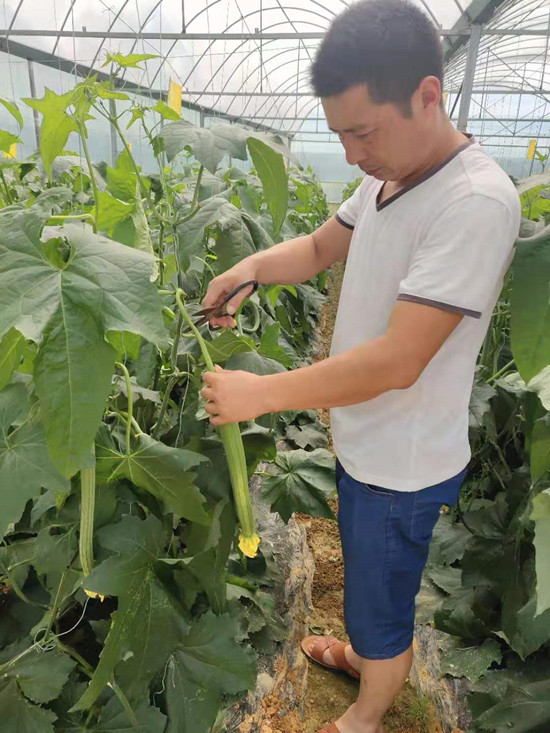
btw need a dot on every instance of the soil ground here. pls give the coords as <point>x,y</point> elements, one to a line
<point>329,694</point>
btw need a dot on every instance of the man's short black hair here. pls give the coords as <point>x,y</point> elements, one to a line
<point>389,45</point>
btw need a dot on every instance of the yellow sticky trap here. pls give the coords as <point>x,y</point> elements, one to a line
<point>12,153</point>
<point>130,146</point>
<point>531,150</point>
<point>174,96</point>
<point>445,98</point>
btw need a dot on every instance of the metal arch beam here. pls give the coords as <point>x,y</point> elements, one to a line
<point>273,94</point>
<point>139,35</point>
<point>18,8</point>
<point>117,16</point>
<point>223,92</point>
<point>45,58</point>
<point>225,36</point>
<point>283,86</point>
<point>134,35</point>
<point>430,13</point>
<point>67,16</point>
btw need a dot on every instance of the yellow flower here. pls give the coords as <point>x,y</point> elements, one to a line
<point>94,595</point>
<point>249,545</point>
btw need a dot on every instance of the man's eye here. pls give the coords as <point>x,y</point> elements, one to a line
<point>365,135</point>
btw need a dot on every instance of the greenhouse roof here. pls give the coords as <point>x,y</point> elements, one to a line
<point>249,59</point>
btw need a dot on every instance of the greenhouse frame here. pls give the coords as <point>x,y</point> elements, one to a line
<point>247,62</point>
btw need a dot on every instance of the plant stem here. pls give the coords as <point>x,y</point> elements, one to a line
<point>171,382</point>
<point>63,217</point>
<point>82,132</point>
<point>501,372</point>
<point>8,194</point>
<point>130,406</point>
<point>55,607</point>
<point>175,345</point>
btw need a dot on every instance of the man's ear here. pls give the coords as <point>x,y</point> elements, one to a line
<point>430,92</point>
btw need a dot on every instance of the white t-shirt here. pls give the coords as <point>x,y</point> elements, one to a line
<point>446,240</point>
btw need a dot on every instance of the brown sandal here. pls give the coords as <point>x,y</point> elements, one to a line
<point>322,643</point>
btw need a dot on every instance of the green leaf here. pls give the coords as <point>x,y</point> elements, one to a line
<point>56,124</point>
<point>114,718</point>
<point>272,172</point>
<point>138,113</point>
<point>448,541</point>
<point>42,675</point>
<point>525,708</point>
<point>540,449</point>
<point>301,482</point>
<point>480,403</point>
<point>159,469</point>
<point>7,139</point>
<point>25,464</point>
<point>72,373</point>
<point>20,716</point>
<point>541,517</point>
<point>111,211</point>
<point>227,344</point>
<point>12,347</point>
<point>530,305</point>
<point>541,385</point>
<point>130,61</point>
<point>211,145</point>
<point>472,661</point>
<point>131,575</point>
<point>524,630</point>
<point>209,662</point>
<point>126,344</point>
<point>13,109</point>
<point>102,276</point>
<point>191,234</point>
<point>255,363</point>
<point>270,345</point>
<point>307,436</point>
<point>165,111</point>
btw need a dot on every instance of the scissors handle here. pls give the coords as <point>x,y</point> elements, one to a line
<point>238,289</point>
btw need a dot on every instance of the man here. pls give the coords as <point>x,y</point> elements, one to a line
<point>428,238</point>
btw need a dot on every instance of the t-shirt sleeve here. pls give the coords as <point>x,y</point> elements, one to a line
<point>462,257</point>
<point>348,212</point>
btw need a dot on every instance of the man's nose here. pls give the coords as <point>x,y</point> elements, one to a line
<point>354,154</point>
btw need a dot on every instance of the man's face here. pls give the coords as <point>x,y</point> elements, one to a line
<point>378,137</point>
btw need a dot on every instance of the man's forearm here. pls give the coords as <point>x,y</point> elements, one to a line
<point>287,263</point>
<point>354,376</point>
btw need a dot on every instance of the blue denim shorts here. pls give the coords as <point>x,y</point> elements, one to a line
<point>385,538</point>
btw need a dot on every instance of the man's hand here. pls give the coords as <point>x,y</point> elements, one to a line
<point>223,284</point>
<point>233,396</point>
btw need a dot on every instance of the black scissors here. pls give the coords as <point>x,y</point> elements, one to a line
<point>218,311</point>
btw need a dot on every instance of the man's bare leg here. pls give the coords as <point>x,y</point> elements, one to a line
<point>381,680</point>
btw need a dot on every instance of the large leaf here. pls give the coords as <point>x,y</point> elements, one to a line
<point>160,469</point>
<point>211,145</point>
<point>301,482</point>
<point>272,172</point>
<point>523,709</point>
<point>40,675</point>
<point>216,210</point>
<point>110,280</point>
<point>530,305</point>
<point>147,625</point>
<point>471,661</point>
<point>539,452</point>
<point>25,464</point>
<point>541,516</point>
<point>56,124</point>
<point>207,663</point>
<point>12,347</point>
<point>72,373</point>
<point>111,211</point>
<point>20,716</point>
